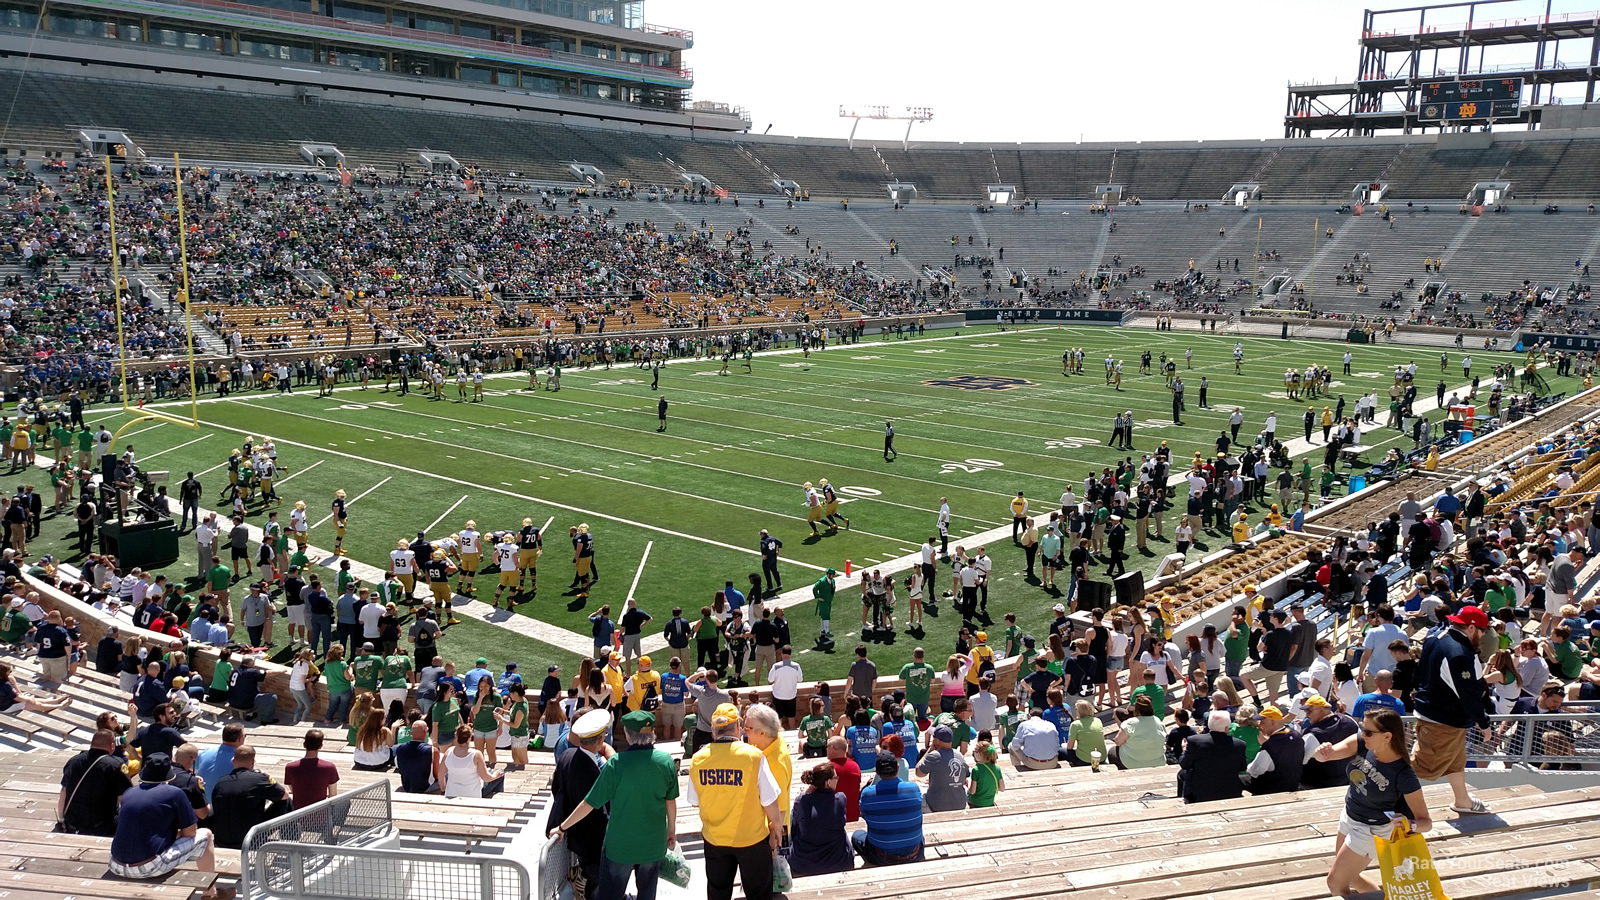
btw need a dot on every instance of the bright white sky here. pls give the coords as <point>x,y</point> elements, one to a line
<point>1022,70</point>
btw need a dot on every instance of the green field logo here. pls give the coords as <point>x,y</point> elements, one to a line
<point>980,382</point>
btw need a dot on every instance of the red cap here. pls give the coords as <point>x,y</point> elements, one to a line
<point>1471,615</point>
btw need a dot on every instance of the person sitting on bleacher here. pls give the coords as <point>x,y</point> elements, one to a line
<point>244,798</point>
<point>892,810</point>
<point>1278,766</point>
<point>91,785</point>
<point>947,772</point>
<point>157,830</point>
<point>820,844</point>
<point>245,695</point>
<point>1211,762</point>
<point>413,759</point>
<point>849,776</point>
<point>1325,725</point>
<point>1037,743</point>
<point>161,735</point>
<point>1140,742</point>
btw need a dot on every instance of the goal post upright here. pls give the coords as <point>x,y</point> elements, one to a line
<point>116,285</point>
<point>146,415</point>
<point>183,288</point>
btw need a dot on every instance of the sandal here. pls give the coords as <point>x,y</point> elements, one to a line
<point>1477,808</point>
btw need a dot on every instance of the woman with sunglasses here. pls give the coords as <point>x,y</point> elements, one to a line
<point>1383,791</point>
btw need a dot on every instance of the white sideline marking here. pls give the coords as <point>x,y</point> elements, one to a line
<point>640,570</point>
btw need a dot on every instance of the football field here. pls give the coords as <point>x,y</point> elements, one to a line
<point>978,416</point>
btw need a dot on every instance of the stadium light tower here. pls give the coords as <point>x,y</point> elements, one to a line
<point>911,115</point>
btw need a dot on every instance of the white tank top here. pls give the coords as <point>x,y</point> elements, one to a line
<point>375,757</point>
<point>461,775</point>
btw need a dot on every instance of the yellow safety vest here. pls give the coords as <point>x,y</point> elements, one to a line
<point>724,775</point>
<point>1019,506</point>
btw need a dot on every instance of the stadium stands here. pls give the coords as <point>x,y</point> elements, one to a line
<point>265,129</point>
<point>1369,266</point>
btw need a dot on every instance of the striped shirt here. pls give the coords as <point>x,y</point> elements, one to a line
<point>893,812</point>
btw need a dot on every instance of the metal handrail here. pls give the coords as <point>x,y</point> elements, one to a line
<point>1575,739</point>
<point>308,872</point>
<point>352,820</point>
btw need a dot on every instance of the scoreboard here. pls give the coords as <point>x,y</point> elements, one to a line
<point>1469,100</point>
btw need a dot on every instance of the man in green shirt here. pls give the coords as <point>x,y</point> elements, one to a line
<point>219,578</point>
<point>918,677</point>
<point>396,680</point>
<point>63,439</point>
<point>959,721</point>
<point>85,447</point>
<point>14,626</point>
<point>366,669</point>
<point>1236,642</point>
<point>640,784</point>
<point>345,578</point>
<point>1026,654</point>
<point>1013,641</point>
<point>390,590</point>
<point>822,592</point>
<point>178,604</point>
<point>1156,693</point>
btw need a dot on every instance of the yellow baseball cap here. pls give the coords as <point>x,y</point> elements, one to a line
<point>726,714</point>
<point>1272,712</point>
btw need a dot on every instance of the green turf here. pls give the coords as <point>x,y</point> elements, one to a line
<point>738,448</point>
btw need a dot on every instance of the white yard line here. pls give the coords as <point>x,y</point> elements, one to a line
<point>285,480</point>
<point>142,430</point>
<point>369,490</point>
<point>640,571</point>
<point>212,469</point>
<point>527,626</point>
<point>170,449</point>
<point>447,512</point>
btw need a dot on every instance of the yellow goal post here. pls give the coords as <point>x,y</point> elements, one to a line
<point>119,290</point>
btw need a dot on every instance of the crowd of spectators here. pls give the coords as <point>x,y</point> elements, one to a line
<point>388,256</point>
